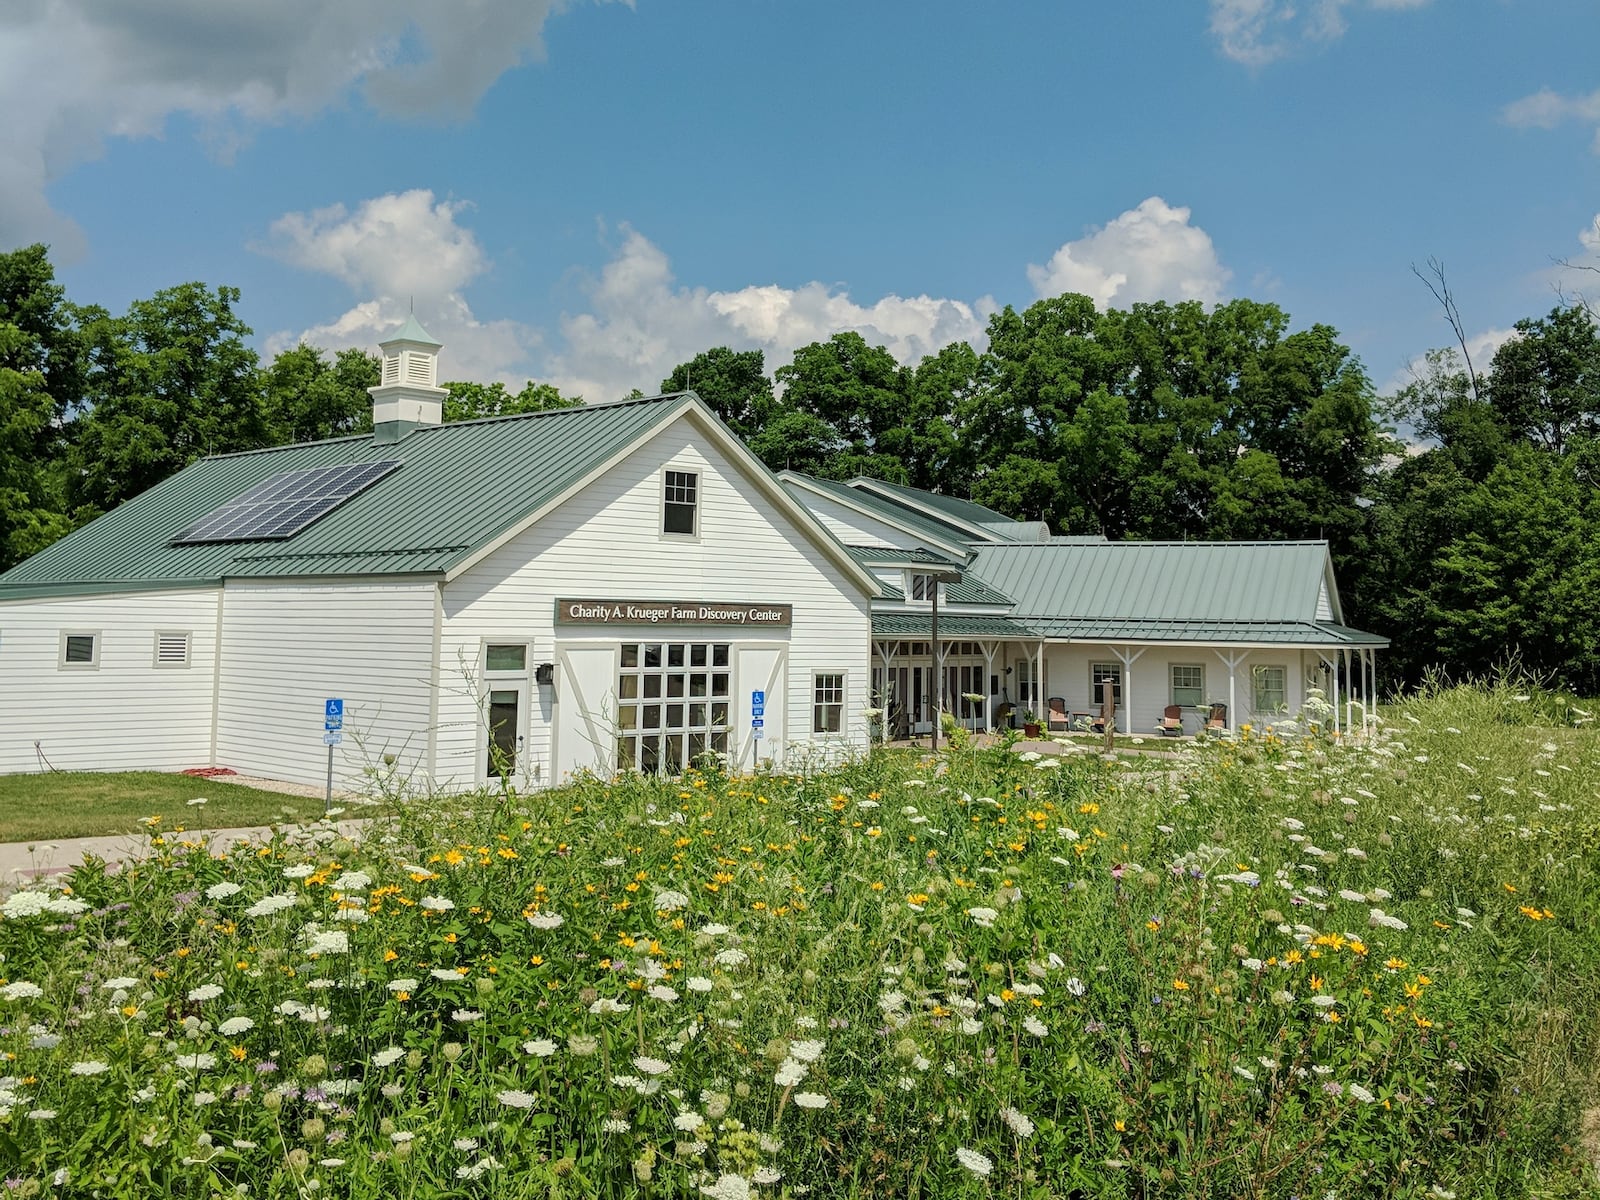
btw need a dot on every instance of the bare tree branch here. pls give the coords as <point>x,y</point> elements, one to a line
<point>1435,282</point>
<point>1578,298</point>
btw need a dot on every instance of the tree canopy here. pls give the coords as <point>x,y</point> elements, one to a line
<point>1476,540</point>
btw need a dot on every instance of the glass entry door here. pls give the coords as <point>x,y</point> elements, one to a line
<point>505,732</point>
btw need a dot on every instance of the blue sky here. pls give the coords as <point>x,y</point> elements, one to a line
<point>590,192</point>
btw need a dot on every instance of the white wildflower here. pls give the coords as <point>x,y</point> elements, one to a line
<point>977,1163</point>
<point>1018,1122</point>
<point>268,905</point>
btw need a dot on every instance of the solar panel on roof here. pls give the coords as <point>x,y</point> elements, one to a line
<point>280,507</point>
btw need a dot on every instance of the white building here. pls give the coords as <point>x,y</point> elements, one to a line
<point>617,585</point>
<point>1185,634</point>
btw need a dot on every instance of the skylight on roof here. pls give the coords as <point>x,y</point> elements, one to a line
<point>280,507</point>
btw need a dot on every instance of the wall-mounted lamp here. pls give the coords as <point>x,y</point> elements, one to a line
<point>545,674</point>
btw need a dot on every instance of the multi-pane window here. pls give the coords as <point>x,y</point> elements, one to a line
<point>1027,684</point>
<point>922,587</point>
<point>1188,684</point>
<point>672,704</point>
<point>680,503</point>
<point>1101,674</point>
<point>827,703</point>
<point>1271,687</point>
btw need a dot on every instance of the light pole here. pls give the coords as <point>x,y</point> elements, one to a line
<point>937,578</point>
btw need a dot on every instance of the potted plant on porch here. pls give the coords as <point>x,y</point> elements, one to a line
<point>1030,724</point>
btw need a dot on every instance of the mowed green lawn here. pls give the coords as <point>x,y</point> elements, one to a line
<point>66,804</point>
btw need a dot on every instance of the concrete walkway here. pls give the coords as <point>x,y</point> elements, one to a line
<point>22,861</point>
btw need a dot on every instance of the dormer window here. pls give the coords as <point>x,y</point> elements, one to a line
<point>921,588</point>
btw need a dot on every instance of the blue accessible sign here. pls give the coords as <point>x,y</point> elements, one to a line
<point>333,715</point>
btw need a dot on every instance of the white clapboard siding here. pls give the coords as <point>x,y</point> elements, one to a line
<point>1148,690</point>
<point>857,529</point>
<point>607,543</point>
<point>287,646</point>
<point>125,713</point>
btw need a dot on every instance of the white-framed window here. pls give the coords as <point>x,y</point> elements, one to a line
<point>827,702</point>
<point>80,649</point>
<point>672,704</point>
<point>920,587</point>
<point>1270,685</point>
<point>1188,684</point>
<point>1101,674</point>
<point>505,658</point>
<point>172,648</point>
<point>680,503</point>
<point>1027,676</point>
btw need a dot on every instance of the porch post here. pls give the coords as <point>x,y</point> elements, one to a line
<point>1127,660</point>
<point>1349,689</point>
<point>1039,690</point>
<point>1231,660</point>
<point>888,689</point>
<point>1333,672</point>
<point>989,651</point>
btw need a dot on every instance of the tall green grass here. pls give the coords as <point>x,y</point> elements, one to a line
<point>1282,966</point>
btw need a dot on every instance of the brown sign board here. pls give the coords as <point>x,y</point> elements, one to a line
<point>674,612</point>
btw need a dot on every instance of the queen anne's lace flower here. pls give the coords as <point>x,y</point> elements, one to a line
<point>978,1164</point>
<point>1018,1122</point>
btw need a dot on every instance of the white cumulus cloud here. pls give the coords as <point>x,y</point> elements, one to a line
<point>1151,252</point>
<point>641,322</point>
<point>1258,32</point>
<point>1545,109</point>
<point>638,322</point>
<point>74,73</point>
<point>400,251</point>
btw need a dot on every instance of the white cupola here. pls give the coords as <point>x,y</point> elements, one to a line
<point>409,395</point>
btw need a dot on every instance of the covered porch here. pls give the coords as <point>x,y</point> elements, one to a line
<point>988,671</point>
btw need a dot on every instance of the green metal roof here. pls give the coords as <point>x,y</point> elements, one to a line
<point>968,591</point>
<point>920,625</point>
<point>892,556</point>
<point>1277,633</point>
<point>876,507</point>
<point>1158,581</point>
<point>412,331</point>
<point>459,486</point>
<point>968,512</point>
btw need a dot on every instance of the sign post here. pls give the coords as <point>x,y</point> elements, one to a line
<point>332,735</point>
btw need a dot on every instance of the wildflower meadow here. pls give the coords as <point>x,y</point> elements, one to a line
<point>1279,965</point>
